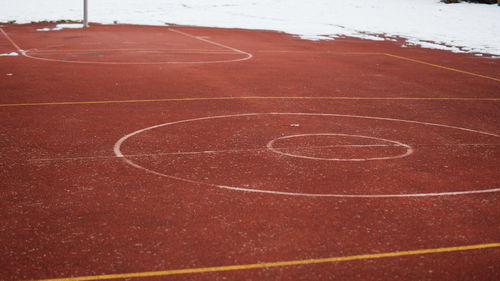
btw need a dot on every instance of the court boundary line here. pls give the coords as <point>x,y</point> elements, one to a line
<point>248,98</point>
<point>236,51</point>
<point>262,265</point>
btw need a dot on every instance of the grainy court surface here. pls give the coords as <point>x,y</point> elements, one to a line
<point>183,153</point>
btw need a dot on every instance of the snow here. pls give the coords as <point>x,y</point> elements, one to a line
<point>13,54</point>
<point>462,27</point>
<point>62,26</point>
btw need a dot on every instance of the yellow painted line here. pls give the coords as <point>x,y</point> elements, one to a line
<point>385,54</point>
<point>318,52</point>
<point>443,67</point>
<point>248,98</point>
<point>279,264</point>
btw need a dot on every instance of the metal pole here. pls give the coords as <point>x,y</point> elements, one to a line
<point>85,14</point>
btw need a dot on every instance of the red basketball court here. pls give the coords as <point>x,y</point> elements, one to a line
<point>184,153</point>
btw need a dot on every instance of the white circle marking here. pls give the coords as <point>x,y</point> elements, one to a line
<point>409,149</point>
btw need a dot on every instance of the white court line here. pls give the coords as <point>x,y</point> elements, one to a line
<point>12,41</point>
<point>118,153</point>
<point>236,51</point>
<point>359,195</point>
<point>213,43</point>
<point>409,149</point>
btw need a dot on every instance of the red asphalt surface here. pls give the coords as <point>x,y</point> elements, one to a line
<point>70,207</point>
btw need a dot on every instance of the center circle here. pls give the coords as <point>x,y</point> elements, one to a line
<point>424,175</point>
<point>338,147</point>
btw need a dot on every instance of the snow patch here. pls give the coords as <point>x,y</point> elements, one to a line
<point>62,26</point>
<point>13,54</point>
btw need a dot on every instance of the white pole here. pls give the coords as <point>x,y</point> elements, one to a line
<point>85,14</point>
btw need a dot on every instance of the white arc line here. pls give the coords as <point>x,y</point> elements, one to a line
<point>409,149</point>
<point>118,153</point>
<point>357,195</point>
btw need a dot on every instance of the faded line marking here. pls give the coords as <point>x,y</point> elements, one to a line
<point>281,263</point>
<point>247,98</point>
<point>443,67</point>
<point>145,155</point>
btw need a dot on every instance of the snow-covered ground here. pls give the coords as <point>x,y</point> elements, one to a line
<point>463,27</point>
